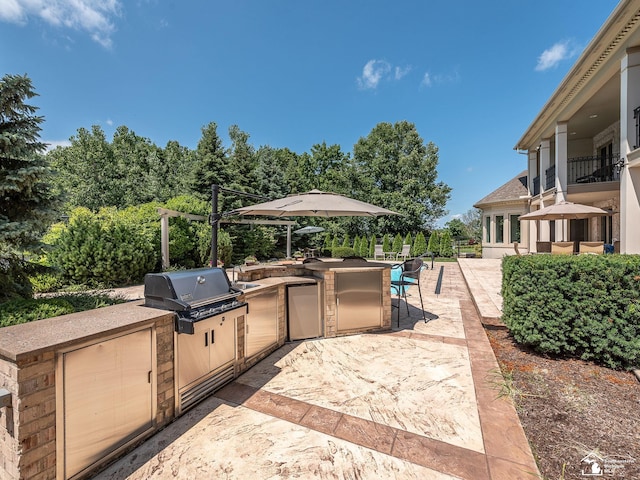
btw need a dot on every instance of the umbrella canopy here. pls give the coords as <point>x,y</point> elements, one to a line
<point>314,204</point>
<point>564,211</point>
<point>309,229</point>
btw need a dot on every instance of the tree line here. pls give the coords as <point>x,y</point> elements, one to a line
<point>391,167</point>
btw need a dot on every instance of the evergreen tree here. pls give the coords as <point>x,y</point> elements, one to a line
<point>386,243</point>
<point>26,200</point>
<point>419,245</point>
<point>347,241</point>
<point>446,249</point>
<point>434,243</point>
<point>356,245</point>
<point>372,247</point>
<point>27,203</point>
<point>396,246</point>
<point>211,165</point>
<point>409,241</point>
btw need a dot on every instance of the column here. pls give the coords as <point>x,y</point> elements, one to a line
<point>629,177</point>
<point>545,163</point>
<point>562,231</point>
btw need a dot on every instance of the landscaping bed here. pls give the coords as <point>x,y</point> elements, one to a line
<point>573,412</point>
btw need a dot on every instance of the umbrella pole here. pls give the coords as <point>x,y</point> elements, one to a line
<point>288,242</point>
<point>215,218</point>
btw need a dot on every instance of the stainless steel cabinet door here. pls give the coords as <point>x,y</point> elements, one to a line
<point>262,322</point>
<point>193,358</point>
<point>107,397</point>
<point>223,340</point>
<point>359,300</point>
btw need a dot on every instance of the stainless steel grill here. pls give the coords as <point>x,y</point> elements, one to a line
<point>192,294</point>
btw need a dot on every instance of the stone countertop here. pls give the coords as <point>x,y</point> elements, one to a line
<point>351,265</point>
<point>54,333</point>
<point>267,282</point>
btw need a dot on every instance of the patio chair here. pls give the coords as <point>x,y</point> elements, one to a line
<point>409,275</point>
<point>562,248</point>
<point>378,253</point>
<point>406,252</point>
<point>591,247</point>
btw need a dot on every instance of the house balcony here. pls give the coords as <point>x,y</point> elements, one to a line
<point>550,177</point>
<point>593,169</point>
<point>536,186</point>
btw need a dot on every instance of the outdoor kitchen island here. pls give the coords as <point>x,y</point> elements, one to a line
<point>355,295</point>
<point>79,390</point>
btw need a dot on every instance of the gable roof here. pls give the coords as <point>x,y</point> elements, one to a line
<point>509,192</point>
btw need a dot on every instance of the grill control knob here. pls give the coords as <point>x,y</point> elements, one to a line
<point>201,279</point>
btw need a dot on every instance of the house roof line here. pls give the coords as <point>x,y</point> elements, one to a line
<point>605,43</point>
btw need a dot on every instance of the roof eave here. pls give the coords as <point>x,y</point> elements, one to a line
<point>604,44</point>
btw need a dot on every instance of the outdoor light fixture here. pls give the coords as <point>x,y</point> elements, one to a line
<point>619,165</point>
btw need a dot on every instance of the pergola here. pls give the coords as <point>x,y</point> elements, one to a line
<point>164,229</point>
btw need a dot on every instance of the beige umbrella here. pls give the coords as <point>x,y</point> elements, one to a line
<point>564,211</point>
<point>314,204</point>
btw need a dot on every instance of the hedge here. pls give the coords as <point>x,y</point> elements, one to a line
<point>585,306</point>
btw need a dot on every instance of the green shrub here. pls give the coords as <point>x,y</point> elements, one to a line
<point>434,243</point>
<point>27,310</point>
<point>364,247</point>
<point>14,282</point>
<point>342,252</point>
<point>372,246</point>
<point>44,282</point>
<point>446,249</point>
<point>346,242</point>
<point>419,245</point>
<point>386,243</point>
<point>106,248</point>
<point>584,306</point>
<point>396,246</point>
<point>19,311</point>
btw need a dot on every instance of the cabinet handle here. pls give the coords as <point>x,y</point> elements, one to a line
<point>149,377</point>
<point>213,337</point>
<point>206,339</point>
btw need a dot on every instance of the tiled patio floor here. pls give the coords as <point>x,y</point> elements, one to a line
<point>419,402</point>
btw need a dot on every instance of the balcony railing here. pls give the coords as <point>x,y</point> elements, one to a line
<point>550,177</point>
<point>536,186</point>
<point>592,169</point>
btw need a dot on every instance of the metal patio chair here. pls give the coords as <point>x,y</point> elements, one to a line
<point>409,276</point>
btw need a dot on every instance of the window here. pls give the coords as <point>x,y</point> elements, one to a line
<point>499,229</point>
<point>487,229</point>
<point>514,225</point>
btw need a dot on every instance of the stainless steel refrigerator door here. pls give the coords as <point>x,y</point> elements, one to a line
<point>304,312</point>
<point>359,300</point>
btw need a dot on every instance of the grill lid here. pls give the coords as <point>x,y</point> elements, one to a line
<point>187,289</point>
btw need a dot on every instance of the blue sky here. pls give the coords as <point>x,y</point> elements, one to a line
<point>470,75</point>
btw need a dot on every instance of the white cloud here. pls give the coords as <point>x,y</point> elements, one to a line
<point>92,16</point>
<point>401,72</point>
<point>426,80</point>
<point>52,144</point>
<point>109,122</point>
<point>372,73</point>
<point>551,57</point>
<point>11,11</point>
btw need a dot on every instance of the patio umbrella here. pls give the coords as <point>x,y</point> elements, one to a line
<point>309,229</point>
<point>314,204</point>
<point>564,211</point>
